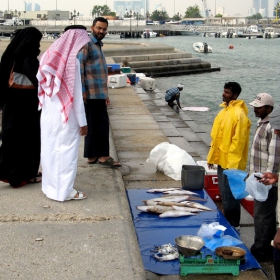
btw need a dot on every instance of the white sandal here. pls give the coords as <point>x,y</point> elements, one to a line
<point>72,195</point>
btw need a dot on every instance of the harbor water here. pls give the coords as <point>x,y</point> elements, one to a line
<point>253,63</point>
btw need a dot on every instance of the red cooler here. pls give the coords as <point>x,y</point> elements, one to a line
<point>211,181</point>
<point>248,204</point>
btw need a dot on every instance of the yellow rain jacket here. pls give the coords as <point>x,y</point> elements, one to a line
<point>230,136</point>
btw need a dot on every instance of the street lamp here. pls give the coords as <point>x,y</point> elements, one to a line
<point>130,14</point>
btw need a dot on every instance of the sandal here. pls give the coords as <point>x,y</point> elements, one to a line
<point>72,195</point>
<point>39,174</point>
<point>110,162</point>
<point>34,181</point>
<point>93,162</point>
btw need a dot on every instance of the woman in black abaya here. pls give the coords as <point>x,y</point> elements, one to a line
<point>20,149</point>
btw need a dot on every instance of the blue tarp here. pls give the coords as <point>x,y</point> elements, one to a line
<point>152,230</point>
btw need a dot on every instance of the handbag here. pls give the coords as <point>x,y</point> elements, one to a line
<point>19,81</point>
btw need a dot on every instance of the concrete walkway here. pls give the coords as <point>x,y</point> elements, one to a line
<point>95,238</point>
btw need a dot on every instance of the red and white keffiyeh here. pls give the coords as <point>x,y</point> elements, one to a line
<point>56,74</point>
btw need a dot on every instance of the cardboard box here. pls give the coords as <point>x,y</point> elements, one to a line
<point>148,83</point>
<point>117,81</point>
<point>211,181</point>
<point>248,204</point>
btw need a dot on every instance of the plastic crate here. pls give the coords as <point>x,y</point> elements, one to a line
<point>125,69</point>
<point>248,204</point>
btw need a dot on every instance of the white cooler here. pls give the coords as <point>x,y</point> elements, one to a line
<point>148,83</point>
<point>117,81</point>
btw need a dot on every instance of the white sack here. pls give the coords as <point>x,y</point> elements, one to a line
<point>169,158</point>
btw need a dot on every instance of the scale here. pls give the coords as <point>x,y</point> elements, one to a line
<point>208,264</point>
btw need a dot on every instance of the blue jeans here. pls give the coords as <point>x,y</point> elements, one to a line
<point>231,205</point>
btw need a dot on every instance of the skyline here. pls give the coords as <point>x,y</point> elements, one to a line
<point>238,7</point>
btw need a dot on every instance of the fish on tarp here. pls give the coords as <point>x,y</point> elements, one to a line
<point>175,213</point>
<point>180,192</point>
<point>178,198</point>
<point>190,197</point>
<point>162,190</point>
<point>196,205</point>
<point>187,209</point>
<point>154,209</point>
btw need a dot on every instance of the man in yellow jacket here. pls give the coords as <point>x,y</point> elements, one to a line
<point>229,146</point>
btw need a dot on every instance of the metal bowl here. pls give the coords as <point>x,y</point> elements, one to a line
<point>189,245</point>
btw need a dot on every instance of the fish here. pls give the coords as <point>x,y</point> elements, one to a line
<point>169,257</point>
<point>161,190</point>
<point>154,209</point>
<point>183,192</point>
<point>168,198</point>
<point>196,205</point>
<point>153,203</point>
<point>187,209</point>
<point>175,213</point>
<point>189,197</point>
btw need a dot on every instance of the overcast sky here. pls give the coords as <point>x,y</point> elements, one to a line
<point>84,6</point>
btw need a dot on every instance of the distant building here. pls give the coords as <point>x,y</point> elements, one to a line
<point>261,6</point>
<point>136,6</point>
<point>220,10</point>
<point>43,15</point>
<point>28,7</point>
<point>37,7</point>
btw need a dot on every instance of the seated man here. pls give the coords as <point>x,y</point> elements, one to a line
<point>174,94</point>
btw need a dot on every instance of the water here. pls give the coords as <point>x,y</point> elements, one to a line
<point>254,64</point>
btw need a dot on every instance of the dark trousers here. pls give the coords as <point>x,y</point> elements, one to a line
<point>276,257</point>
<point>231,205</point>
<point>265,225</point>
<point>97,139</point>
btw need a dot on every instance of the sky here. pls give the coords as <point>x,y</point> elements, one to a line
<point>84,6</point>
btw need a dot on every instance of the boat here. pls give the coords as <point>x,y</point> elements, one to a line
<point>148,33</point>
<point>202,47</point>
<point>269,32</point>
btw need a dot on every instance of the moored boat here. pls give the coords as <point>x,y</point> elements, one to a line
<point>202,47</point>
<point>149,33</point>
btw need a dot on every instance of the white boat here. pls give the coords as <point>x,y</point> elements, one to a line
<point>148,33</point>
<point>202,47</point>
<point>269,32</point>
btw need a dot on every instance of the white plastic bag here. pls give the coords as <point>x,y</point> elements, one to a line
<point>169,159</point>
<point>257,190</point>
<point>208,230</point>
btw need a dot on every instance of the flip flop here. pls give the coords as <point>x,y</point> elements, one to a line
<point>93,162</point>
<point>110,163</point>
<point>71,196</point>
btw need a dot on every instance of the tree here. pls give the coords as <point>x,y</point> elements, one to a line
<point>102,11</point>
<point>256,16</point>
<point>159,15</point>
<point>218,15</point>
<point>177,17</point>
<point>193,12</point>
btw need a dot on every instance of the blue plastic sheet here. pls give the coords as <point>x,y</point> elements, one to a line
<point>236,182</point>
<point>152,230</point>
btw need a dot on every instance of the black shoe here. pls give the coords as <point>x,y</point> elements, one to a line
<point>262,256</point>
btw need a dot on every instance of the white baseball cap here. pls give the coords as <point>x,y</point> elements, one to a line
<point>262,99</point>
<point>180,86</point>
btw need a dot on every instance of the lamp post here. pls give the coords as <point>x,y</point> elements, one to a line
<point>130,14</point>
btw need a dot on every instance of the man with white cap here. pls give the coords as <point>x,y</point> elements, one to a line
<point>174,94</point>
<point>264,157</point>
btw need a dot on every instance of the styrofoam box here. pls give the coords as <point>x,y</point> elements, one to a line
<point>211,181</point>
<point>117,81</point>
<point>148,83</point>
<point>140,75</point>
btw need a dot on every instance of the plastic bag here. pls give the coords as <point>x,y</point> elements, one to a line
<point>236,182</point>
<point>169,159</point>
<point>209,230</point>
<point>225,240</point>
<point>257,190</point>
